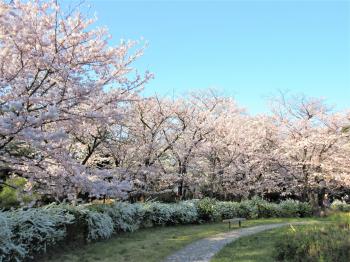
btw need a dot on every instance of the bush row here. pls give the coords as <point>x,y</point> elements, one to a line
<point>27,232</point>
<point>212,210</point>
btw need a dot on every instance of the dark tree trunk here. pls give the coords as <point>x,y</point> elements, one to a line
<point>181,188</point>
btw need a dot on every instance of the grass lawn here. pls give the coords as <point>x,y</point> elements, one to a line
<point>261,247</point>
<point>152,244</point>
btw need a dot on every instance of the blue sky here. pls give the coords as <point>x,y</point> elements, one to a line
<point>245,49</point>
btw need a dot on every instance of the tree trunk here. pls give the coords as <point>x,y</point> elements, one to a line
<point>181,189</point>
<point>314,201</point>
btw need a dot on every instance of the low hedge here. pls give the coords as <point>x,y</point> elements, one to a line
<point>256,208</point>
<point>25,233</point>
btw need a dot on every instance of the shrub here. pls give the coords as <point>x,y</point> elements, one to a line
<point>78,231</point>
<point>126,217</point>
<point>226,209</point>
<point>294,208</point>
<point>100,225</point>
<point>159,213</point>
<point>9,250</point>
<point>185,213</point>
<point>248,209</point>
<point>33,230</point>
<point>206,209</point>
<point>256,207</point>
<point>263,208</point>
<point>259,208</point>
<point>91,222</point>
<point>305,209</point>
<point>166,214</point>
<point>340,206</point>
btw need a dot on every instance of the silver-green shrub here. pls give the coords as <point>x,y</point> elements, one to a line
<point>126,217</point>
<point>159,213</point>
<point>248,209</point>
<point>227,209</point>
<point>32,231</point>
<point>100,225</point>
<point>339,205</point>
<point>289,208</point>
<point>185,213</point>
<point>9,250</point>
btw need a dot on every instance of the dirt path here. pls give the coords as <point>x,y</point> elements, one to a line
<point>203,250</point>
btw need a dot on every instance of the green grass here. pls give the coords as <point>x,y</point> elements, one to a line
<point>152,244</point>
<point>261,247</point>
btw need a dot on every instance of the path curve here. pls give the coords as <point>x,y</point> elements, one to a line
<point>203,250</point>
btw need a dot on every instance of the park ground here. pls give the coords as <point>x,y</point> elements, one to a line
<point>154,244</point>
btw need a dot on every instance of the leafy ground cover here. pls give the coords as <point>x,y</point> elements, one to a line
<point>152,244</point>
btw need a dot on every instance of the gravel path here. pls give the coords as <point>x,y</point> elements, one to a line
<point>203,250</point>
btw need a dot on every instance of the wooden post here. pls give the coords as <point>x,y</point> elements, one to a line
<point>239,223</point>
<point>229,224</point>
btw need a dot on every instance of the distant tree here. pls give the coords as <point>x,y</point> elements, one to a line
<point>312,145</point>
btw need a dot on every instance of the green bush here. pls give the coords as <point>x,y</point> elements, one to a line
<point>206,209</point>
<point>156,213</point>
<point>315,243</point>
<point>253,208</point>
<point>100,225</point>
<point>185,213</point>
<point>248,209</point>
<point>9,249</point>
<point>78,231</point>
<point>294,208</point>
<point>126,217</point>
<point>305,209</point>
<point>257,208</point>
<point>340,206</point>
<point>261,208</point>
<point>92,222</point>
<point>266,209</point>
<point>159,213</point>
<point>226,209</point>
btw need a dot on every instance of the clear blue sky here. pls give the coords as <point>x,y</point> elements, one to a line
<point>245,49</point>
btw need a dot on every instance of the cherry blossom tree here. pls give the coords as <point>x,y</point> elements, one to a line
<point>193,121</point>
<point>62,85</point>
<point>72,122</point>
<point>240,155</point>
<point>312,145</point>
<point>147,150</point>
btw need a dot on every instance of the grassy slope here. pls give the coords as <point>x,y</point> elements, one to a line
<point>152,244</point>
<point>260,247</point>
